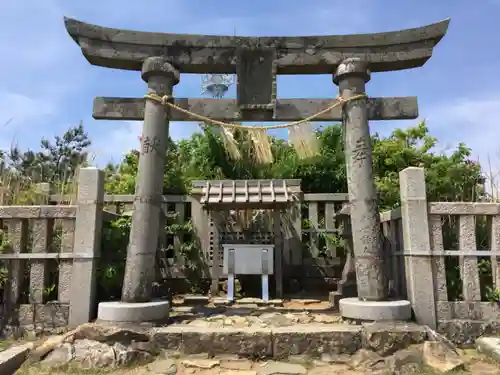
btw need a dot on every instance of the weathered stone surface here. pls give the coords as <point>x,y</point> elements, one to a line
<point>163,366</point>
<point>159,66</point>
<point>86,240</point>
<point>254,319</point>
<point>59,356</point>
<point>11,359</point>
<point>371,279</point>
<point>282,368</point>
<point>127,49</point>
<point>197,341</point>
<point>481,368</point>
<point>245,342</point>
<point>315,340</point>
<point>127,355</point>
<point>436,336</point>
<point>111,333</point>
<point>489,346</point>
<point>201,363</point>
<point>49,316</point>
<point>47,346</point>
<point>93,354</point>
<point>132,109</point>
<point>236,364</point>
<point>329,370</point>
<point>192,300</point>
<point>161,76</point>
<point>145,346</point>
<point>387,338</point>
<point>367,360</point>
<point>441,358</point>
<point>465,332</point>
<point>37,212</point>
<point>335,358</point>
<point>168,338</point>
<point>406,361</point>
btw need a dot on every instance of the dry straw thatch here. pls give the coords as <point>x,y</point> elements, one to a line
<point>301,137</point>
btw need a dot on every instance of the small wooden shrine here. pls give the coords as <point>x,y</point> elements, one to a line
<point>246,228</point>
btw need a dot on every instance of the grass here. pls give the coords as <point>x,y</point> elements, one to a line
<point>4,344</point>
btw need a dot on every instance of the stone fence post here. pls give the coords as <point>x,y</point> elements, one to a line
<point>417,248</point>
<point>87,245</point>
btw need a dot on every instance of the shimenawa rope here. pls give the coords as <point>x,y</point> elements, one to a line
<point>301,137</point>
<point>165,101</point>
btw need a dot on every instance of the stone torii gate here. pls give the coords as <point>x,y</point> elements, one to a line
<point>162,57</point>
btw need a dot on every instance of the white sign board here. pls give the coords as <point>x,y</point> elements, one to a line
<point>248,259</point>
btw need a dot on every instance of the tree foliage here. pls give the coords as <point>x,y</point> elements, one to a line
<point>450,177</point>
<point>56,161</point>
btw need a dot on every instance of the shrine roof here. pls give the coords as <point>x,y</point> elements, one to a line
<point>255,193</point>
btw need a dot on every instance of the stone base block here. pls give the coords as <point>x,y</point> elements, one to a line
<point>312,340</point>
<point>260,342</point>
<point>354,308</point>
<point>489,346</point>
<point>11,359</point>
<point>133,312</point>
<point>195,300</point>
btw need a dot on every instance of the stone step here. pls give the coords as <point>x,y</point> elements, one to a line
<point>489,346</point>
<point>195,300</point>
<point>247,302</point>
<point>11,359</point>
<point>281,342</point>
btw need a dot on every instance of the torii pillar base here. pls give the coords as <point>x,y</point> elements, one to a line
<point>136,312</point>
<point>375,311</point>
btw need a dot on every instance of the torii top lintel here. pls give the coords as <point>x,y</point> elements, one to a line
<point>127,49</point>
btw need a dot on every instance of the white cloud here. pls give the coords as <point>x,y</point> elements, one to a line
<point>474,121</point>
<point>125,137</point>
<point>22,108</point>
<point>34,78</point>
<point>118,142</point>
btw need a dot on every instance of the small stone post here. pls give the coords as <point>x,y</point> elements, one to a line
<point>87,245</point>
<point>161,77</point>
<point>416,238</point>
<point>351,76</point>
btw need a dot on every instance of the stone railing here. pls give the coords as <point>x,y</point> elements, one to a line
<point>431,269</point>
<point>48,258</point>
<point>44,243</point>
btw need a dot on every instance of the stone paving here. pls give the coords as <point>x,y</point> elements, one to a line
<point>295,365</point>
<point>241,317</point>
<point>380,348</point>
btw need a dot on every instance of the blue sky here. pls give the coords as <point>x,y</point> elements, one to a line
<point>46,85</point>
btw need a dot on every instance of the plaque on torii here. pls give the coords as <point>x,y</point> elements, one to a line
<point>162,57</point>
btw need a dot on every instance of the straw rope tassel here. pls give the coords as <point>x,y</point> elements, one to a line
<point>230,144</point>
<point>301,133</point>
<point>303,139</point>
<point>261,145</point>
